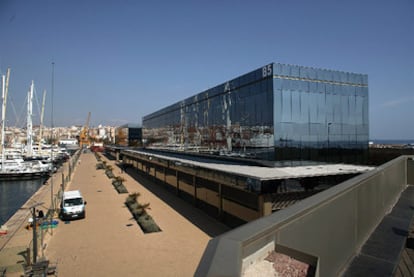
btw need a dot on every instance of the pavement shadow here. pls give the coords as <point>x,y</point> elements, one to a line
<point>207,224</point>
<point>25,256</point>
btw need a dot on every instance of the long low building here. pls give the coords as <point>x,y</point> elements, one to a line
<point>260,173</point>
<point>237,192</point>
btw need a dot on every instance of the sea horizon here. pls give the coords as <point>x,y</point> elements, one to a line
<point>392,141</point>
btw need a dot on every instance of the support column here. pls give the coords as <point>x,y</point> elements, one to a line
<point>220,207</point>
<point>178,183</point>
<point>195,190</point>
<point>165,175</point>
<point>265,204</point>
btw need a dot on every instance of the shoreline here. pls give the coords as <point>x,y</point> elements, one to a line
<point>18,238</point>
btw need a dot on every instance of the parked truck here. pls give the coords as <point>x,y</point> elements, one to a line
<point>72,205</point>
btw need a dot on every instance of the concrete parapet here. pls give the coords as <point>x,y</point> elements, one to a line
<point>331,225</point>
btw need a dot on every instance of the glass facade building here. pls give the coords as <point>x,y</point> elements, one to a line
<point>277,112</point>
<point>128,135</point>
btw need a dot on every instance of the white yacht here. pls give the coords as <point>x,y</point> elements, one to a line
<point>12,164</point>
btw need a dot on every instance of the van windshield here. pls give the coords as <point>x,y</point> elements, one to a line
<point>72,202</point>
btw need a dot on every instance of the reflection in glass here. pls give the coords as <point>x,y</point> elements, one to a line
<point>278,112</point>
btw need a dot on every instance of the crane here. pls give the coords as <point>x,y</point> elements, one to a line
<point>84,134</point>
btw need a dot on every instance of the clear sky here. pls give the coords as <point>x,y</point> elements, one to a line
<point>121,60</point>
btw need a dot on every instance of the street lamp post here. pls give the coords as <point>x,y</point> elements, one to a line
<point>52,206</point>
<point>33,211</point>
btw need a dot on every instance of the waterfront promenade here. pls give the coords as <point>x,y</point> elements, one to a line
<point>109,242</point>
<point>13,245</point>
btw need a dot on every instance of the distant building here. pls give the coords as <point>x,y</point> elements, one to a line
<point>69,143</point>
<point>128,135</point>
<point>277,112</point>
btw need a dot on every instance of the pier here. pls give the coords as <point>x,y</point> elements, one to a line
<point>16,243</point>
<point>109,242</point>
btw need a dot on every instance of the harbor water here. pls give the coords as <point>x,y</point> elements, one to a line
<point>13,194</point>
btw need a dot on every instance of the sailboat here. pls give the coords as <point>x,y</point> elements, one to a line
<point>45,155</point>
<point>15,167</point>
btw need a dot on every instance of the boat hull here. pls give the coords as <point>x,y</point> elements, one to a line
<point>9,176</point>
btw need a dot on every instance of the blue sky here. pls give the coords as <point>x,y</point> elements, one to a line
<point>121,60</point>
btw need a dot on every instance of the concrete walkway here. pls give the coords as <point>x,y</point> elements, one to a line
<point>110,243</point>
<point>13,245</point>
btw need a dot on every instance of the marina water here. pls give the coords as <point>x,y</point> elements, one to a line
<point>13,194</point>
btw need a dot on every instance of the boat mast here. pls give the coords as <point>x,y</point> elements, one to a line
<point>41,120</point>
<point>29,121</point>
<point>5,89</point>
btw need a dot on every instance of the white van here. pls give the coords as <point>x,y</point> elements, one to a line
<point>72,205</point>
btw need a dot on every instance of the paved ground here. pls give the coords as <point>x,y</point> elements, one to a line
<point>110,243</point>
<point>13,245</point>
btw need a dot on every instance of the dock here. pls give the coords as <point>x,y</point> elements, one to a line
<point>109,242</point>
